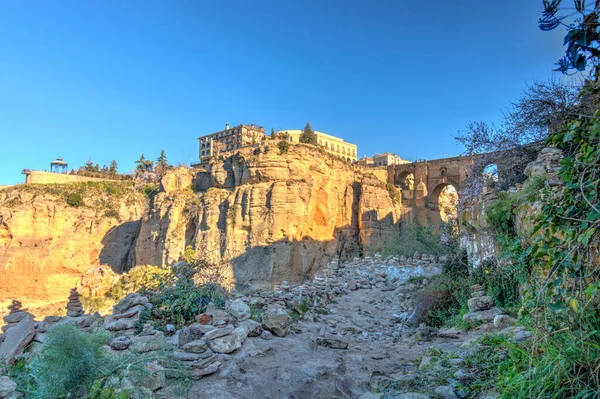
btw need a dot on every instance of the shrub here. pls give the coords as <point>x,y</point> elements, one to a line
<point>283,146</point>
<point>74,199</point>
<point>142,279</point>
<point>112,213</point>
<point>69,363</point>
<point>416,238</point>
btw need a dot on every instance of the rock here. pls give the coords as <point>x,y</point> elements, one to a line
<point>453,333</point>
<point>277,320</point>
<point>204,318</point>
<point>446,392</point>
<point>170,329</point>
<point>522,335</point>
<point>502,321</point>
<point>119,325</point>
<point>210,369</point>
<point>478,304</point>
<point>198,346</point>
<point>148,343</point>
<point>13,318</point>
<point>7,387</point>
<point>462,375</point>
<point>202,363</point>
<point>227,343</point>
<point>130,301</point>
<point>239,310</point>
<point>155,378</point>
<point>16,339</point>
<point>189,356</point>
<point>191,333</point>
<point>220,318</point>
<point>266,335</point>
<point>427,333</point>
<point>254,328</point>
<point>218,332</point>
<point>120,343</point>
<point>332,343</point>
<point>484,315</point>
<point>413,395</point>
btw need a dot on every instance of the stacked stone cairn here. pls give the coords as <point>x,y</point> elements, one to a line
<point>74,305</point>
<point>481,306</point>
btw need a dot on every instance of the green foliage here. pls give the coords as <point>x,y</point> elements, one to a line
<point>74,200</point>
<point>283,146</point>
<point>414,238</point>
<point>150,190</point>
<point>308,136</point>
<point>179,304</point>
<point>188,255</point>
<point>141,279</point>
<point>500,215</point>
<point>69,363</point>
<point>394,193</point>
<point>112,213</point>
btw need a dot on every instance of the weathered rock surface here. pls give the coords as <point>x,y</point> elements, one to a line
<point>480,303</point>
<point>270,217</point>
<point>7,387</point>
<point>16,339</point>
<point>277,320</point>
<point>239,310</point>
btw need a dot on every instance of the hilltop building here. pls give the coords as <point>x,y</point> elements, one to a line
<point>229,140</point>
<point>332,144</point>
<point>385,159</point>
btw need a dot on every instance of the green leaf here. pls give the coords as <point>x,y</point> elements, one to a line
<point>557,307</point>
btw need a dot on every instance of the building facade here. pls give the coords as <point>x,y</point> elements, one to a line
<point>387,158</point>
<point>332,144</point>
<point>229,139</point>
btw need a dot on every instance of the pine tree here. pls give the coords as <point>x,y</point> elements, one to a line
<point>112,169</point>
<point>143,165</point>
<point>308,136</point>
<point>272,134</point>
<point>161,164</point>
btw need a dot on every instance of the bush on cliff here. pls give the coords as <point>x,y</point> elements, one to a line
<point>283,146</point>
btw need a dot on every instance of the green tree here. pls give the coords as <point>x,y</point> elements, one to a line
<point>161,164</point>
<point>143,166</point>
<point>272,134</point>
<point>308,136</point>
<point>112,169</point>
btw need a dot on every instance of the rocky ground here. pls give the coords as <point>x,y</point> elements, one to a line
<point>345,334</point>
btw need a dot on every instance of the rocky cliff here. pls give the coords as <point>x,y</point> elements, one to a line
<point>268,216</point>
<point>50,235</point>
<point>261,215</point>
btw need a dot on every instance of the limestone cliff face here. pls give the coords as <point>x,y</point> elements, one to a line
<point>268,217</point>
<point>47,245</point>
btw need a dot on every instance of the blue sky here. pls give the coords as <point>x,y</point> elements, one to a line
<point>113,79</point>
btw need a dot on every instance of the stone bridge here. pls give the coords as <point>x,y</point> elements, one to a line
<point>421,197</point>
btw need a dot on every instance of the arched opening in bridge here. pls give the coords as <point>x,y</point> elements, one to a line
<point>444,199</point>
<point>406,181</point>
<point>490,178</point>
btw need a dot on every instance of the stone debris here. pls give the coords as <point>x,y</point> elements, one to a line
<point>481,306</point>
<point>120,343</point>
<point>239,310</point>
<point>74,305</point>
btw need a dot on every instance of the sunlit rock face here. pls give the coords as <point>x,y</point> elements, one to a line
<point>269,217</point>
<point>46,246</point>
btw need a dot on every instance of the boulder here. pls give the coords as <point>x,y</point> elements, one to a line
<point>277,320</point>
<point>218,332</point>
<point>130,301</point>
<point>266,335</point>
<point>483,315</point>
<point>227,343</point>
<point>16,339</point>
<point>7,387</point>
<point>156,377</point>
<point>478,304</point>
<point>120,343</point>
<point>13,318</point>
<point>254,328</point>
<point>239,310</point>
<point>198,346</point>
<point>502,321</point>
<point>148,343</point>
<point>193,332</point>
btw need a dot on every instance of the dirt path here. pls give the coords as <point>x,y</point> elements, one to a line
<point>379,351</point>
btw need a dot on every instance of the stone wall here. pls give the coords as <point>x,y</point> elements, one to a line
<point>39,177</point>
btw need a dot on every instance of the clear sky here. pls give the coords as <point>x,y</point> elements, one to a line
<point>113,79</point>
